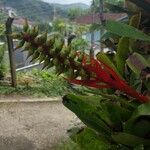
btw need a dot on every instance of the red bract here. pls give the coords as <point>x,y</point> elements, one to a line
<point>106,77</point>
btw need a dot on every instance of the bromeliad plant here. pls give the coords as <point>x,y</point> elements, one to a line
<point>117,114</point>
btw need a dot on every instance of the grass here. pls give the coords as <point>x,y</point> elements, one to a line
<point>37,83</point>
<point>67,145</point>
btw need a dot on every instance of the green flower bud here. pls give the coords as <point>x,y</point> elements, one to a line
<point>76,73</point>
<point>36,31</point>
<point>80,58</point>
<point>55,61</point>
<point>50,64</point>
<point>35,55</point>
<point>41,57</point>
<point>50,42</point>
<point>40,49</point>
<point>65,51</point>
<point>88,60</point>
<point>16,36</point>
<point>37,40</point>
<point>72,55</point>
<point>46,63</point>
<point>25,26</point>
<point>33,32</point>
<point>31,51</point>
<point>67,63</point>
<point>27,46</point>
<point>77,63</point>
<point>41,39</point>
<point>21,44</point>
<point>44,37</point>
<point>71,73</point>
<point>83,74</point>
<point>51,51</point>
<point>59,69</point>
<point>58,44</point>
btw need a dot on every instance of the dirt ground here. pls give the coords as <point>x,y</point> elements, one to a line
<point>34,125</point>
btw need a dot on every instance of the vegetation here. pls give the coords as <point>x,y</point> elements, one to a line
<point>115,108</point>
<point>36,10</point>
<point>2,62</point>
<point>3,17</point>
<point>37,83</point>
<point>73,13</point>
<point>96,3</point>
<point>2,52</point>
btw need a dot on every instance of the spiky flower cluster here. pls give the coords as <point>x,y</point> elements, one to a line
<point>51,50</point>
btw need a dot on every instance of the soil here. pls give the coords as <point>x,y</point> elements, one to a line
<point>36,125</point>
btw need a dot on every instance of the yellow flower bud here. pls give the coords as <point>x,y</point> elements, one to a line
<point>16,36</point>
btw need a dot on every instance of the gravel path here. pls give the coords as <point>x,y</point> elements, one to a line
<point>33,125</point>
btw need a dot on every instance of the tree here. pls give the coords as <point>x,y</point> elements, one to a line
<point>76,12</point>
<point>96,4</point>
<point>59,25</point>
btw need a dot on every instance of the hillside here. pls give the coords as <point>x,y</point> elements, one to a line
<point>37,10</point>
<point>70,6</point>
<point>34,10</point>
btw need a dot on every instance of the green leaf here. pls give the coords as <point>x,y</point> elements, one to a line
<point>139,123</point>
<point>85,107</point>
<point>135,20</point>
<point>129,139</point>
<point>115,8</point>
<point>108,35</point>
<point>137,63</point>
<point>103,57</point>
<point>125,30</point>
<point>130,105</point>
<point>87,139</point>
<point>144,4</point>
<point>139,147</point>
<point>122,54</point>
<point>98,113</point>
<point>116,113</point>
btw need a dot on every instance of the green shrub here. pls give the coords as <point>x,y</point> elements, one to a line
<point>37,83</point>
<point>2,63</point>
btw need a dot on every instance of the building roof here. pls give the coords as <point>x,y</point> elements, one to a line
<point>20,21</point>
<point>88,19</point>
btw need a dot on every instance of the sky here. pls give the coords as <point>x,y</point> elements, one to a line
<point>69,1</point>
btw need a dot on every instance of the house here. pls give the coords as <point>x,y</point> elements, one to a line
<point>90,19</point>
<point>19,22</point>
